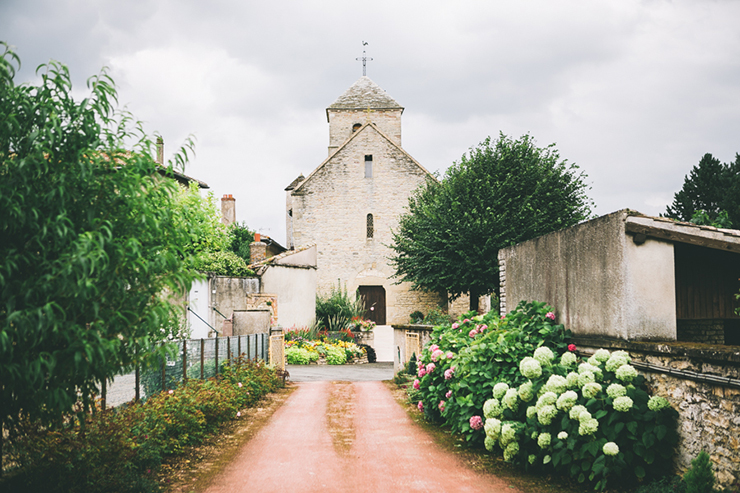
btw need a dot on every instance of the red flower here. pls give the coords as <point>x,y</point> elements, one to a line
<point>572,348</point>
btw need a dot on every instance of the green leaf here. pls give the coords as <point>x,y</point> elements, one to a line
<point>632,427</point>
<point>639,472</point>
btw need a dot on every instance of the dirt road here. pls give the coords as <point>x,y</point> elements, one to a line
<point>346,437</point>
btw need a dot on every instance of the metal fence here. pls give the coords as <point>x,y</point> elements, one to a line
<point>195,358</point>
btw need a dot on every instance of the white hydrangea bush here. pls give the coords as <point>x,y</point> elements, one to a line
<point>591,419</point>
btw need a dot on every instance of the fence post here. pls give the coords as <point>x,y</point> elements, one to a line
<point>239,345</point>
<point>184,360</point>
<point>217,355</point>
<point>202,358</point>
<point>228,349</point>
<point>277,349</point>
<point>164,374</point>
<point>103,392</point>
<point>249,353</point>
<point>137,377</point>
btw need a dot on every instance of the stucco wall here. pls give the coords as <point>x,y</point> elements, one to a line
<point>597,279</point>
<point>295,288</point>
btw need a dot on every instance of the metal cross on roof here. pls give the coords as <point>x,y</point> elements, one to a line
<point>364,59</point>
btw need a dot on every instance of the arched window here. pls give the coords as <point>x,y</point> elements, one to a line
<point>370,226</point>
<point>368,166</point>
<point>356,127</point>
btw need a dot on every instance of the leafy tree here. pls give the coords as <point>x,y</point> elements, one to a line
<point>241,237</point>
<point>710,194</point>
<point>93,253</point>
<point>499,194</point>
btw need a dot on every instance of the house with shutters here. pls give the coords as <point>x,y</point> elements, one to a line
<point>351,202</point>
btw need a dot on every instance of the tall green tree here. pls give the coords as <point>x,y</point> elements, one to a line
<point>710,194</point>
<point>92,252</point>
<point>499,194</point>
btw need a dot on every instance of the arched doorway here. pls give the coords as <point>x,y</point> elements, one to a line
<point>374,299</point>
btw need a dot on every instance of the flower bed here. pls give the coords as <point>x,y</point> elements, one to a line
<point>305,347</point>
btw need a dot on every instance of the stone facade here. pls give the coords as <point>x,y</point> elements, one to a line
<point>349,205</point>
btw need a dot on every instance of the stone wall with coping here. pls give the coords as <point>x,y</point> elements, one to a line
<point>709,413</point>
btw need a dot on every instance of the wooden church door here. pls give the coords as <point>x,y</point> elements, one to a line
<point>374,297</point>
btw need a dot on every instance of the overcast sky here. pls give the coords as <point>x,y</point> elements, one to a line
<point>633,92</point>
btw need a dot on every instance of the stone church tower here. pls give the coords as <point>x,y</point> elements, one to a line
<point>350,203</point>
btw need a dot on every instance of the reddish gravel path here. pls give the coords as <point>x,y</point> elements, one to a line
<point>342,437</point>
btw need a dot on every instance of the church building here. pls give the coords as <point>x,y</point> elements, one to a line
<point>351,202</point>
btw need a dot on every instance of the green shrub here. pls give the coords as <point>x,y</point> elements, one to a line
<point>335,311</point>
<point>300,356</point>
<point>416,317</point>
<point>222,263</point>
<point>700,477</point>
<point>437,317</point>
<point>479,360</point>
<point>335,355</point>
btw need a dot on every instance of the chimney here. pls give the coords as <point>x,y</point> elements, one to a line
<point>228,209</point>
<point>160,150</point>
<point>257,250</point>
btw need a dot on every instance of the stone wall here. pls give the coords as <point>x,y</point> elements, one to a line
<point>709,411</point>
<point>341,123</point>
<point>330,209</point>
<point>706,331</point>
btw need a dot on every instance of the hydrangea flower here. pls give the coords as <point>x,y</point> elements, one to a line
<point>588,367</point>
<point>476,422</point>
<point>567,400</point>
<point>431,367</point>
<point>473,333</point>
<point>422,372</point>
<point>416,384</point>
<point>622,404</point>
<point>550,315</point>
<point>586,377</point>
<point>584,416</point>
<point>610,448</point>
<point>616,390</point>
<point>492,428</point>
<point>500,389</point>
<point>656,403</point>
<point>525,391</point>
<point>489,443</point>
<point>588,427</point>
<point>548,398</point>
<point>455,325</point>
<point>437,354</point>
<point>544,440</point>
<point>591,390</point>
<point>481,327</point>
<point>420,405</point>
<point>511,399</point>
<point>576,411</point>
<point>556,384</point>
<point>449,372</point>
<point>492,408</point>
<point>545,414</point>
<point>450,355</point>
<point>530,368</point>
<point>531,412</point>
<point>563,435</point>
<point>572,380</point>
<point>626,373</point>
<point>601,356</point>
<point>532,458</point>
<point>441,406</point>
<point>511,451</point>
<point>568,359</point>
<point>448,394</point>
<point>617,359</point>
<point>508,434</point>
<point>433,348</point>
<point>544,355</point>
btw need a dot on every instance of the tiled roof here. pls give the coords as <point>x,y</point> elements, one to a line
<point>364,94</point>
<point>283,255</point>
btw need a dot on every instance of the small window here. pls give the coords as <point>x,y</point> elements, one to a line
<point>356,127</point>
<point>368,166</point>
<point>370,226</point>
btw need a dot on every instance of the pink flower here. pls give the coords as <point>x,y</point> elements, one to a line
<point>455,325</point>
<point>473,333</point>
<point>171,392</point>
<point>422,372</point>
<point>441,406</point>
<point>437,354</point>
<point>483,327</point>
<point>550,315</point>
<point>466,320</point>
<point>240,385</point>
<point>450,355</point>
<point>431,367</point>
<point>448,394</point>
<point>420,405</point>
<point>572,348</point>
<point>476,422</point>
<point>433,348</point>
<point>416,384</point>
<point>448,373</point>
<point>238,414</point>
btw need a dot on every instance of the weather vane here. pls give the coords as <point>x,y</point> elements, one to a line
<point>364,59</point>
